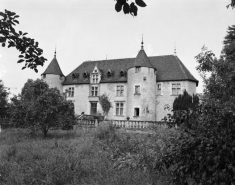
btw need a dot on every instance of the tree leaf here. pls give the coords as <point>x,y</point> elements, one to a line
<point>21,56</point>
<point>3,44</point>
<point>140,3</point>
<point>35,70</point>
<point>21,60</point>
<point>2,39</point>
<point>118,7</point>
<point>16,21</point>
<point>133,9</point>
<point>23,68</point>
<point>126,8</point>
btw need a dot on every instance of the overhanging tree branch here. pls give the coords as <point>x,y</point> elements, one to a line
<point>31,54</point>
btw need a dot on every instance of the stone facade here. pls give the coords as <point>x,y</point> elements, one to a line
<point>54,81</point>
<point>141,88</point>
<point>152,107</point>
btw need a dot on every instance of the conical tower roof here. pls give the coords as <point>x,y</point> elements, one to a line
<point>142,59</point>
<point>53,67</point>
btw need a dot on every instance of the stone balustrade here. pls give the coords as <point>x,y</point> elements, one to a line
<point>122,124</point>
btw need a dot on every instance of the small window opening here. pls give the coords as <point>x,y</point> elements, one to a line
<point>137,69</point>
<point>137,89</point>
<point>136,112</point>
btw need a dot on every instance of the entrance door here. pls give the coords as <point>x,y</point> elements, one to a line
<point>93,108</point>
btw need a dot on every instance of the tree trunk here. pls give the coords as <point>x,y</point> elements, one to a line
<point>45,130</point>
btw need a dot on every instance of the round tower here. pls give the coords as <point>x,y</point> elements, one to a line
<point>141,89</point>
<point>53,75</point>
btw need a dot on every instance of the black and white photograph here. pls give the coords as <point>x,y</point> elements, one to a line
<point>117,92</point>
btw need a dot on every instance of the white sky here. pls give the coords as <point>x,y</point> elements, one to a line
<point>91,29</point>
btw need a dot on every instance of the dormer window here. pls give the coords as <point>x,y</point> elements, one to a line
<point>95,78</point>
<point>109,74</point>
<point>75,76</point>
<point>85,75</point>
<point>137,69</point>
<point>122,73</point>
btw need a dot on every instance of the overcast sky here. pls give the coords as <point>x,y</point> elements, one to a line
<point>91,30</point>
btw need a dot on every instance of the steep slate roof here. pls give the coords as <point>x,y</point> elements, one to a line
<point>169,68</point>
<point>142,60</point>
<point>53,68</point>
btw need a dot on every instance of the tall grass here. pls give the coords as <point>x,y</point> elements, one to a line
<point>69,158</point>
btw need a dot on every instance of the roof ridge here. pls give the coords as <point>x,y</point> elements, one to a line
<point>87,61</point>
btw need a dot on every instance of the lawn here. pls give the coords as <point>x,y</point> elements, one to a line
<point>81,157</point>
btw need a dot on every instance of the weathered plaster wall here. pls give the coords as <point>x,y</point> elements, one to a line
<point>146,78</point>
<point>166,99</point>
<point>54,81</point>
<point>80,99</point>
<point>148,97</point>
<point>111,89</point>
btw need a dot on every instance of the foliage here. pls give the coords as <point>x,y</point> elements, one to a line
<point>136,151</point>
<point>17,111</point>
<point>232,4</point>
<point>41,107</point>
<point>183,107</point>
<point>129,8</point>
<point>105,104</point>
<point>76,159</point>
<point>205,153</point>
<point>31,54</point>
<point>185,101</point>
<point>132,8</point>
<point>3,101</point>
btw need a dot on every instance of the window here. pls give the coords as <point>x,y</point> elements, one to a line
<point>159,89</point>
<point>109,73</point>
<point>137,69</point>
<point>95,78</point>
<point>93,108</point>
<point>175,88</point>
<point>122,73</point>
<point>119,108</point>
<point>71,92</point>
<point>136,112</point>
<point>120,90</point>
<point>137,89</point>
<point>85,75</point>
<point>94,90</point>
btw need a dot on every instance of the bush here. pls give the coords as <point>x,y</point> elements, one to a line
<point>105,131</point>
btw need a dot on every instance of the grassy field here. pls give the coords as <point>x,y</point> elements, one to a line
<point>81,157</point>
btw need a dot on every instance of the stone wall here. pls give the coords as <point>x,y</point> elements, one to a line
<point>146,99</point>
<point>164,102</point>
<point>80,99</point>
<point>54,81</point>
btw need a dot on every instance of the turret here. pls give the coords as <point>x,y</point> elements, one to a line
<point>141,93</point>
<point>53,75</point>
